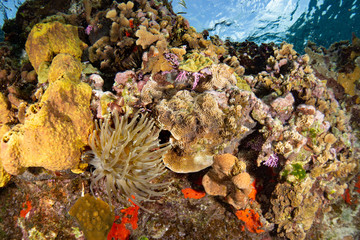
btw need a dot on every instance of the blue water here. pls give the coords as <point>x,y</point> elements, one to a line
<point>262,21</point>
<point>8,9</point>
<point>326,23</point>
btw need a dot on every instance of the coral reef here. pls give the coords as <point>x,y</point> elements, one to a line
<point>200,128</point>
<point>259,141</point>
<point>338,65</point>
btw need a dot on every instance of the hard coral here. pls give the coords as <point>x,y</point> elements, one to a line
<point>195,63</point>
<point>154,60</point>
<point>182,116</point>
<point>203,124</point>
<point>228,179</point>
<point>145,38</point>
<point>128,156</point>
<point>348,81</point>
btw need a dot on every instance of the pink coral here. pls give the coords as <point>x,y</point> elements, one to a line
<point>197,77</point>
<point>88,29</point>
<point>122,78</point>
<point>173,59</point>
<point>272,161</point>
<point>97,80</point>
<point>182,76</point>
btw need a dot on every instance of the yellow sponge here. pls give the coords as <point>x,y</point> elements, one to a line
<point>94,216</point>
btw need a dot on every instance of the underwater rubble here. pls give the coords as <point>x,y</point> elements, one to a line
<point>258,142</point>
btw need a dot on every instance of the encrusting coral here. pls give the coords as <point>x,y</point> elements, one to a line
<point>128,156</point>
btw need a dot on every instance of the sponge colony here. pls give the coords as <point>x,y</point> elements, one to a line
<point>94,216</point>
<point>57,127</point>
<point>54,132</point>
<point>49,39</point>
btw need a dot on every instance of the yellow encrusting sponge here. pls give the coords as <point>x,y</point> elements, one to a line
<point>94,216</point>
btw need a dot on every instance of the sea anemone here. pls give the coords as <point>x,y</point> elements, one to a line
<point>127,157</point>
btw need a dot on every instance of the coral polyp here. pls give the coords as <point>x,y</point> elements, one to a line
<point>127,157</point>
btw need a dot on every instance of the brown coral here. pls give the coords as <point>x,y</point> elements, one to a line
<point>145,38</point>
<point>199,126</point>
<point>220,180</point>
<point>154,60</point>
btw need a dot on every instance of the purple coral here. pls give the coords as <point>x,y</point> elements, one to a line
<point>182,76</point>
<point>196,76</point>
<point>88,29</point>
<point>173,59</point>
<point>272,161</point>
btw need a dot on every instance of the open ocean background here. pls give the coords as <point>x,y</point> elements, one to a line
<point>262,21</point>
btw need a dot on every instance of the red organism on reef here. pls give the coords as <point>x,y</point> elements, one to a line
<point>191,193</point>
<point>119,230</point>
